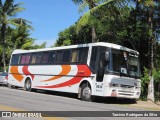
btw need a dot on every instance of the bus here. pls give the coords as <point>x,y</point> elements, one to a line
<point>95,69</point>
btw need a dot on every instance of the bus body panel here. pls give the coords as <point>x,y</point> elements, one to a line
<point>65,78</point>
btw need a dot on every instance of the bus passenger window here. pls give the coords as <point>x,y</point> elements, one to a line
<point>33,61</point>
<point>83,54</point>
<point>45,57</point>
<point>15,59</point>
<point>52,56</point>
<point>59,56</point>
<point>66,56</point>
<point>75,55</point>
<point>23,59</point>
<point>27,60</point>
<point>38,58</point>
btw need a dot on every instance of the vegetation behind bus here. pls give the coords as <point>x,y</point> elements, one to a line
<point>121,23</point>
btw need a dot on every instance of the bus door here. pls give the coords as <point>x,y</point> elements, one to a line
<point>98,66</point>
<point>100,72</point>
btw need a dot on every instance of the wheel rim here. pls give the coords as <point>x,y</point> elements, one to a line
<point>86,92</point>
<point>28,84</point>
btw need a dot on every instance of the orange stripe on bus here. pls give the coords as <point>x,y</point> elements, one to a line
<point>65,70</point>
<point>16,74</point>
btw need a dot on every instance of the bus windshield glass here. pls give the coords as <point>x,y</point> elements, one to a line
<point>125,63</point>
<point>133,67</point>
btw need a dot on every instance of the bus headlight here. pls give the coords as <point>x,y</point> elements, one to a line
<point>137,93</point>
<point>113,85</point>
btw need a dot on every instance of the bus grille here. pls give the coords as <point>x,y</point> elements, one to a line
<point>126,86</point>
<point>128,93</point>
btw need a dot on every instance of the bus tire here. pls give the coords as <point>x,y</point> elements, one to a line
<point>9,85</point>
<point>28,85</point>
<point>85,92</point>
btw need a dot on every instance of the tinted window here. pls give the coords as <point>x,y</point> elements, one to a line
<point>33,61</point>
<point>52,57</point>
<point>59,56</point>
<point>15,59</point>
<point>75,55</point>
<point>93,64</point>
<point>79,55</point>
<point>25,59</point>
<point>101,67</point>
<point>66,56</point>
<point>22,59</point>
<point>83,54</point>
<point>38,58</point>
<point>45,57</point>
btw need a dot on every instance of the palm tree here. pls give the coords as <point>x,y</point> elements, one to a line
<point>150,5</point>
<point>8,10</point>
<point>91,4</point>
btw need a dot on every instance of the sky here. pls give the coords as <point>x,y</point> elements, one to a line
<point>48,18</point>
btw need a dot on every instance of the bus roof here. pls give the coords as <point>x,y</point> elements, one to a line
<point>104,44</point>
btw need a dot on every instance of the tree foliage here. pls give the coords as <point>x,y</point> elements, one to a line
<point>14,32</point>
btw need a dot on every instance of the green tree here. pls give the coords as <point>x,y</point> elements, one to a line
<point>150,5</point>
<point>91,4</point>
<point>8,10</point>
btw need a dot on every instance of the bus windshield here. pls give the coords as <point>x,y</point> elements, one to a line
<point>125,63</point>
<point>133,67</point>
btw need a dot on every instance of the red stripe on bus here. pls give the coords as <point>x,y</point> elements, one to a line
<point>26,71</point>
<point>83,70</point>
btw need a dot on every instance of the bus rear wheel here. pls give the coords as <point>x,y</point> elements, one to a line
<point>85,93</point>
<point>28,85</point>
<point>9,85</point>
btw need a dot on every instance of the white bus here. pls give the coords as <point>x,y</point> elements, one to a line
<point>95,69</point>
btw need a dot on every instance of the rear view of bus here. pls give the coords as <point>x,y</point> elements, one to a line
<point>95,69</point>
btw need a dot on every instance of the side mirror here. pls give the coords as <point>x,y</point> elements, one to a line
<point>106,56</point>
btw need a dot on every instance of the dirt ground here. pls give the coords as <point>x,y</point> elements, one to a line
<point>147,105</point>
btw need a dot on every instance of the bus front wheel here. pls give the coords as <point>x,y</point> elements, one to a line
<point>28,85</point>
<point>85,92</point>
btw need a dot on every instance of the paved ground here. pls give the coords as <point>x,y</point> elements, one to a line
<point>20,100</point>
<point>147,105</point>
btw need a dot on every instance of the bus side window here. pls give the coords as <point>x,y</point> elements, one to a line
<point>75,55</point>
<point>52,56</point>
<point>66,56</point>
<point>15,59</point>
<point>38,58</point>
<point>59,56</point>
<point>83,54</point>
<point>45,57</point>
<point>27,59</point>
<point>23,59</point>
<point>33,61</point>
